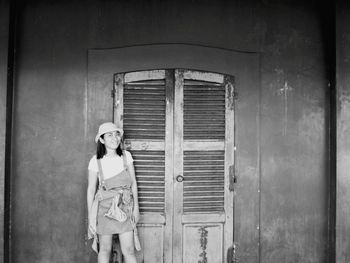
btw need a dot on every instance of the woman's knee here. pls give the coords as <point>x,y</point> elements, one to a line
<point>127,243</point>
<point>128,250</point>
<point>105,244</point>
<point>105,248</point>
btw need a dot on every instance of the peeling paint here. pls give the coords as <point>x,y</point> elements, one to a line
<point>204,242</point>
<point>230,95</point>
<point>284,93</point>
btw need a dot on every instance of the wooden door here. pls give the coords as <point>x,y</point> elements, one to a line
<point>179,126</point>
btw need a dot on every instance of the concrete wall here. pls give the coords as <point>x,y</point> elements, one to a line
<point>4,25</point>
<point>293,138</point>
<point>51,150</point>
<point>343,130</point>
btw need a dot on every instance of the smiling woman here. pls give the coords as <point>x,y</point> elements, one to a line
<point>113,208</point>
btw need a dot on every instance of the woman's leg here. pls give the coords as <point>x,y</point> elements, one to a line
<point>127,246</point>
<point>105,248</point>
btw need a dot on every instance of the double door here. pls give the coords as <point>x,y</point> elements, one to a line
<point>179,127</point>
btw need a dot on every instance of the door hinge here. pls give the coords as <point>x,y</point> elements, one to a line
<point>233,177</point>
<point>113,93</point>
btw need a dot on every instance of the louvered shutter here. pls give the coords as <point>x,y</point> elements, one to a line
<point>203,156</point>
<point>203,122</point>
<point>142,95</point>
<point>204,110</point>
<point>204,181</point>
<point>144,109</point>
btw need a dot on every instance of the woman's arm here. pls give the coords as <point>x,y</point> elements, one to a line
<point>91,190</point>
<point>136,212</point>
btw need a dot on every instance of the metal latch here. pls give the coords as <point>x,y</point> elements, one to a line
<point>231,254</point>
<point>232,176</point>
<point>234,258</point>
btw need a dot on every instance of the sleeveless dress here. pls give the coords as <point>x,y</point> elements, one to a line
<point>120,193</point>
<point>112,208</point>
<point>114,194</point>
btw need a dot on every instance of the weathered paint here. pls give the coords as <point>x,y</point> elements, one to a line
<point>203,241</point>
<point>343,133</point>
<point>4,38</point>
<point>51,110</point>
<point>293,164</point>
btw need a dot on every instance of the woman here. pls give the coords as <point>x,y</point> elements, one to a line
<point>114,208</point>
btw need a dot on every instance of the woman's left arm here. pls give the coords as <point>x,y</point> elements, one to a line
<point>136,212</point>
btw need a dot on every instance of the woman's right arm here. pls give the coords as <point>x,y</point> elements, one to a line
<point>91,190</point>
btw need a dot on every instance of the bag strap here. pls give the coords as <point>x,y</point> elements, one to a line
<point>124,161</point>
<point>100,172</point>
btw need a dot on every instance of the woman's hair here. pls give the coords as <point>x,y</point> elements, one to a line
<point>101,148</point>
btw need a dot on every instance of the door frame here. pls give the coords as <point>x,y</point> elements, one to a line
<point>244,66</point>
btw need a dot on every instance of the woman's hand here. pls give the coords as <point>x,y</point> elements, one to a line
<point>92,230</point>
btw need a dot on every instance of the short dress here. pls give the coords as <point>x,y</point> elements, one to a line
<point>118,191</point>
<point>107,226</point>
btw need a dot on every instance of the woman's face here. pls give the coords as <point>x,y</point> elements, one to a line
<point>111,140</point>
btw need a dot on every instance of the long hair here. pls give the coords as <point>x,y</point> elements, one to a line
<point>101,148</point>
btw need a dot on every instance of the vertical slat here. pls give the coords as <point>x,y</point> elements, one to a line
<point>229,161</point>
<point>178,166</point>
<point>169,164</point>
<point>118,86</point>
<point>118,99</point>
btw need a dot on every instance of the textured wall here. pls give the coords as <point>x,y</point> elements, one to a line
<point>4,23</point>
<point>50,153</point>
<point>49,175</point>
<point>343,130</point>
<point>293,137</point>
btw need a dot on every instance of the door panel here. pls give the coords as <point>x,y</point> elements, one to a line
<point>152,242</point>
<point>208,249</point>
<point>203,203</point>
<point>141,107</point>
<point>179,126</point>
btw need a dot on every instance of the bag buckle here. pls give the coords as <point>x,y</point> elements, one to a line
<point>104,188</point>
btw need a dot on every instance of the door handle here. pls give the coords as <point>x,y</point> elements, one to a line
<point>179,178</point>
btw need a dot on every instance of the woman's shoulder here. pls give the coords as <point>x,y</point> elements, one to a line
<point>128,156</point>
<point>93,163</point>
<point>93,158</point>
<point>127,152</point>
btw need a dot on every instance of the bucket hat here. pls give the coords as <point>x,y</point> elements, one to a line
<point>107,127</point>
